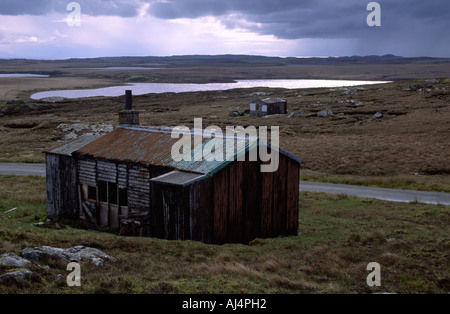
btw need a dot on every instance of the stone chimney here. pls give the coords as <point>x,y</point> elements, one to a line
<point>128,116</point>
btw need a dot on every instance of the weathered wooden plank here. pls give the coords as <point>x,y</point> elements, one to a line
<point>251,190</point>
<point>220,206</point>
<point>53,185</point>
<point>141,187</point>
<point>107,178</point>
<point>87,211</point>
<point>83,164</point>
<point>235,229</point>
<point>292,197</point>
<point>135,181</point>
<point>279,213</point>
<point>142,172</point>
<point>137,201</point>
<point>87,181</point>
<point>106,164</point>
<point>86,172</point>
<point>266,203</point>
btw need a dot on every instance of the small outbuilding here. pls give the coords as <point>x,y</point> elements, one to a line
<point>128,181</point>
<point>268,106</point>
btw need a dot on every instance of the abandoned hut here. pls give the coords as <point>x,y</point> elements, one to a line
<point>128,181</point>
<point>268,106</point>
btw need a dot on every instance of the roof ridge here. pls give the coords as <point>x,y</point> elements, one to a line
<point>193,132</point>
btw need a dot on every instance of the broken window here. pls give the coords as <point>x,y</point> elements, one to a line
<point>103,191</point>
<point>123,197</point>
<point>92,193</point>
<point>108,192</point>
<point>112,193</point>
<point>88,193</point>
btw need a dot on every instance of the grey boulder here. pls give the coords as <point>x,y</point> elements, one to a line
<point>74,254</point>
<point>13,260</point>
<point>20,274</point>
<point>325,113</point>
<point>377,116</point>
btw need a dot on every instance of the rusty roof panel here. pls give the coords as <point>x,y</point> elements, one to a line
<point>153,146</point>
<point>67,148</point>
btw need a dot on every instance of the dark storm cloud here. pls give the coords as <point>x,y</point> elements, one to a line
<point>91,7</point>
<point>287,19</point>
<point>291,19</point>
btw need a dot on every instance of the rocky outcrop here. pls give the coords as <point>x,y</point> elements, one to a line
<point>325,113</point>
<point>377,116</point>
<point>33,257</point>
<point>19,274</point>
<point>13,260</point>
<point>78,129</point>
<point>74,254</point>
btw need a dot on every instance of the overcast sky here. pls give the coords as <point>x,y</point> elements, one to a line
<point>39,28</point>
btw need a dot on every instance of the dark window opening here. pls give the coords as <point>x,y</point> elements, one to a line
<point>123,197</point>
<point>108,192</point>
<point>112,192</point>
<point>103,191</point>
<point>92,193</point>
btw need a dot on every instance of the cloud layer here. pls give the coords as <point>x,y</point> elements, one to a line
<point>409,27</point>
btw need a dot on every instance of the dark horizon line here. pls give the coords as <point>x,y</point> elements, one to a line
<point>390,56</point>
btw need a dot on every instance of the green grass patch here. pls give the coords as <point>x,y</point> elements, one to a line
<point>338,237</point>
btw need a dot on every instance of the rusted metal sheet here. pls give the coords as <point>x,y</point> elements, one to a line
<point>154,147</point>
<point>178,178</point>
<point>67,148</point>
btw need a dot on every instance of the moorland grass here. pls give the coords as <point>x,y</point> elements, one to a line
<point>338,237</point>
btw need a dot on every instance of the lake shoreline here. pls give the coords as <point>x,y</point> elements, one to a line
<point>159,88</point>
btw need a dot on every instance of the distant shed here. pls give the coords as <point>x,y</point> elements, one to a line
<point>268,106</point>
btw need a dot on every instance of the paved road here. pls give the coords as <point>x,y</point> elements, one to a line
<point>394,195</point>
<point>23,169</point>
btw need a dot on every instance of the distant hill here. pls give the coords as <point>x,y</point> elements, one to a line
<point>234,60</point>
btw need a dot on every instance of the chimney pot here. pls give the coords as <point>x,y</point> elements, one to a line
<point>128,100</point>
<point>128,116</point>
